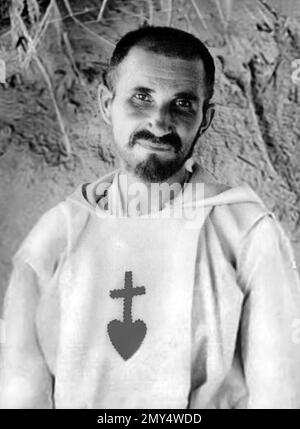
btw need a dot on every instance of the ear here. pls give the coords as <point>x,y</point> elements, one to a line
<point>105,97</point>
<point>208,115</point>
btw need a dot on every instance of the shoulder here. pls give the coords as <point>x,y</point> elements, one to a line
<point>239,216</point>
<point>233,219</point>
<point>45,241</point>
<point>266,238</point>
<point>50,226</point>
<point>235,208</point>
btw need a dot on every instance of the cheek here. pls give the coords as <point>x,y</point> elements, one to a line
<point>187,128</point>
<point>123,124</point>
<point>128,116</point>
<point>187,123</point>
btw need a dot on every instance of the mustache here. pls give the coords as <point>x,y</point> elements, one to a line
<point>171,139</point>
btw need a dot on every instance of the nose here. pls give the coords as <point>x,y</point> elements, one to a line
<point>160,121</point>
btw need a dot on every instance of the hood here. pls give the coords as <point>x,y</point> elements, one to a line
<point>210,192</point>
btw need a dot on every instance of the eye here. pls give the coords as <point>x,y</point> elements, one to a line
<point>140,96</point>
<point>183,103</point>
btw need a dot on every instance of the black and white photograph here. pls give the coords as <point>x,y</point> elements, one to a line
<point>150,207</point>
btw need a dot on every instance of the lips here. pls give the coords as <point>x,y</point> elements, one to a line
<point>148,144</point>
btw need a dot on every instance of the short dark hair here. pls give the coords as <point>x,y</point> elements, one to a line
<point>167,41</point>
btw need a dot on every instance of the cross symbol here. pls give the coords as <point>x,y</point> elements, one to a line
<point>128,292</point>
<point>125,335</point>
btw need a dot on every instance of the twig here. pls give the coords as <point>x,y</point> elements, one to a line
<point>151,12</point>
<point>252,16</point>
<point>267,7</point>
<point>136,15</point>
<point>60,120</point>
<point>108,42</point>
<point>43,24</point>
<point>247,161</point>
<point>111,44</point>
<point>170,13</point>
<point>101,11</point>
<point>31,53</point>
<point>128,12</point>
<point>221,12</point>
<point>189,24</point>
<point>77,72</point>
<point>70,54</point>
<point>62,18</point>
<point>200,16</point>
<point>260,6</point>
<point>5,33</point>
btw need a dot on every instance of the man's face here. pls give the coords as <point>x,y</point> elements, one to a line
<point>156,113</point>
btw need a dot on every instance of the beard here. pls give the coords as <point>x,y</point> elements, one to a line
<point>155,168</point>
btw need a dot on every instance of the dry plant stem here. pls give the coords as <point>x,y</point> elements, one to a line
<point>33,11</point>
<point>75,14</point>
<point>75,68</point>
<point>151,11</point>
<point>136,15</point>
<point>67,4</point>
<point>190,28</point>
<point>101,11</point>
<point>70,54</point>
<point>221,12</point>
<point>32,54</point>
<point>39,33</point>
<point>224,20</point>
<point>170,13</point>
<point>228,9</point>
<point>60,120</point>
<point>128,12</point>
<point>261,11</point>
<point>252,16</point>
<point>5,33</point>
<point>200,16</point>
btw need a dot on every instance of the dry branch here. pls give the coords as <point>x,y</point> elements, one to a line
<point>170,13</point>
<point>29,52</point>
<point>100,15</point>
<point>198,12</point>
<point>58,114</point>
<point>97,36</point>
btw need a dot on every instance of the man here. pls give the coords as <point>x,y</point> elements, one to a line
<point>154,286</point>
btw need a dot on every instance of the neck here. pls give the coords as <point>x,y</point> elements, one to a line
<point>146,197</point>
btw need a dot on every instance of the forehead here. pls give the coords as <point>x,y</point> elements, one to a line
<point>158,72</point>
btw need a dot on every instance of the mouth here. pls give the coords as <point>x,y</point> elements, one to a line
<point>159,147</point>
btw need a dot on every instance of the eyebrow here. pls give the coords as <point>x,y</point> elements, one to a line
<point>189,95</point>
<point>184,94</point>
<point>142,89</point>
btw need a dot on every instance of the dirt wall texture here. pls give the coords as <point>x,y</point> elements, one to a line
<point>52,137</point>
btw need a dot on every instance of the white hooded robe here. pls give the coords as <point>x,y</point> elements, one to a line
<point>210,318</point>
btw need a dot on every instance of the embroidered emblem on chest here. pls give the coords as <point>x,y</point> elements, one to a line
<point>125,335</point>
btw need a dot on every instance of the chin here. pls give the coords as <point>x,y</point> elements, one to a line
<point>156,169</point>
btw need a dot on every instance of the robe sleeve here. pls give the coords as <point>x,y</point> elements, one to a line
<point>268,340</point>
<point>25,378</point>
<point>25,381</point>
